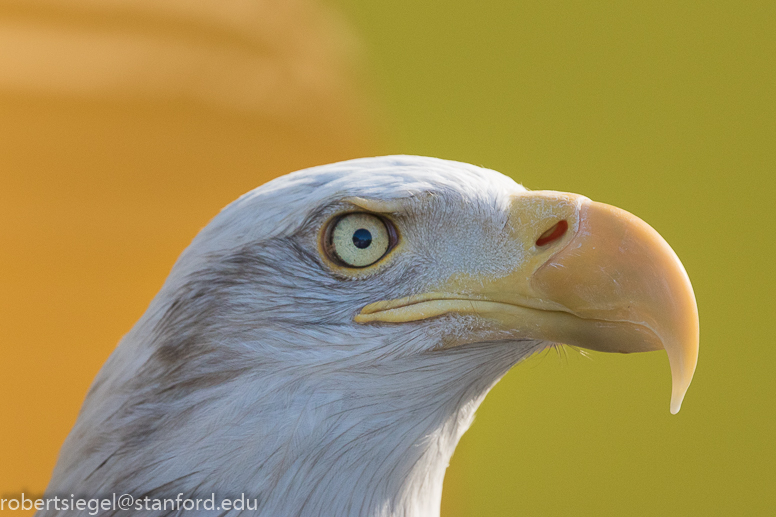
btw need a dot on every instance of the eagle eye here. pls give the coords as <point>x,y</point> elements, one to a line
<point>359,240</point>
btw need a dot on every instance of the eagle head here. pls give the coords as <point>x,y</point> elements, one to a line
<point>324,342</point>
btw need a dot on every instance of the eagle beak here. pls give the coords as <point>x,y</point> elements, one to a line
<point>593,276</point>
<point>618,270</point>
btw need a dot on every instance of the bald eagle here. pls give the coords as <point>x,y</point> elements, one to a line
<point>324,342</point>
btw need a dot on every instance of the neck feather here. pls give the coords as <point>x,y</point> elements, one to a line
<point>371,438</point>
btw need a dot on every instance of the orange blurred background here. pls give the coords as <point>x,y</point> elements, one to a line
<point>125,126</point>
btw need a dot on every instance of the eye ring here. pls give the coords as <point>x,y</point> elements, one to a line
<point>358,240</point>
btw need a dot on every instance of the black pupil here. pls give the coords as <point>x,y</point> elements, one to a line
<point>362,238</point>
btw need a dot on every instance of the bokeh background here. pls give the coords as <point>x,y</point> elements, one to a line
<point>126,125</point>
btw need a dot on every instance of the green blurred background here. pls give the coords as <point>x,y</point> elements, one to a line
<point>666,109</point>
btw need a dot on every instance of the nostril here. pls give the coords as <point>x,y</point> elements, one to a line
<point>556,232</point>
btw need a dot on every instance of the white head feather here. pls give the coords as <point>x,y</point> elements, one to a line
<point>247,374</point>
